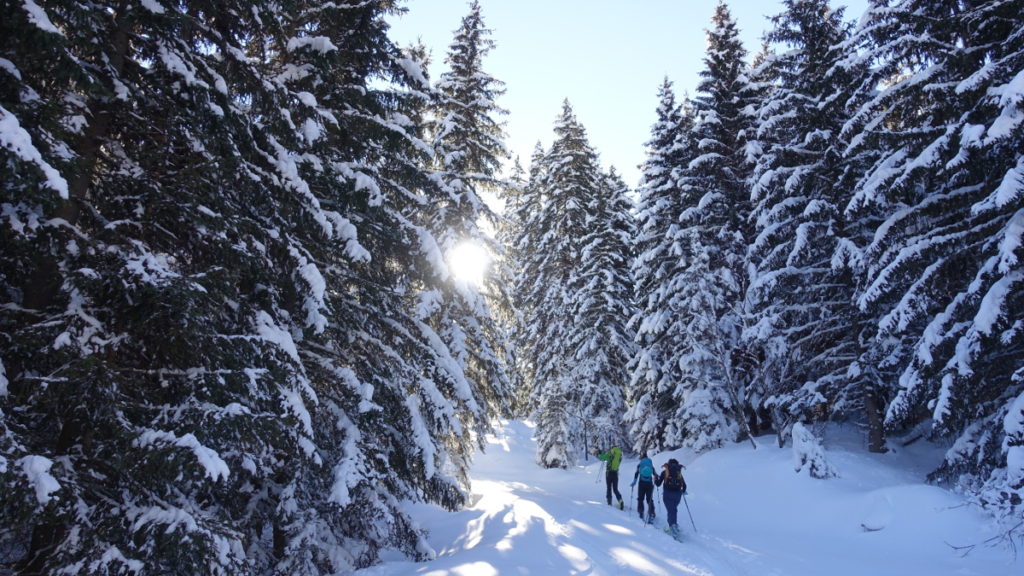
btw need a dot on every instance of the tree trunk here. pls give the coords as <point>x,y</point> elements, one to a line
<point>876,420</point>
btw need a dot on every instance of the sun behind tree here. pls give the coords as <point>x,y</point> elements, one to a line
<point>468,262</point>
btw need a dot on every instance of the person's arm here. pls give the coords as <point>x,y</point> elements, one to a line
<point>659,478</point>
<point>604,456</point>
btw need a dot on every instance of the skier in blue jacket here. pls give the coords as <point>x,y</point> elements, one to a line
<point>645,475</point>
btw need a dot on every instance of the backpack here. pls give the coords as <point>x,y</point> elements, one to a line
<point>674,477</point>
<point>616,458</point>
<point>646,470</point>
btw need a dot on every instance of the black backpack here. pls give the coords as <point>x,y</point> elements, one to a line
<point>674,476</point>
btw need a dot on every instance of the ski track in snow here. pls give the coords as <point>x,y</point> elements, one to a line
<point>759,519</point>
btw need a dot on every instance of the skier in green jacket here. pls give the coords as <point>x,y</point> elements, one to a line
<point>611,477</point>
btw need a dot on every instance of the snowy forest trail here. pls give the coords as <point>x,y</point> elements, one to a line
<point>754,517</point>
<point>528,521</point>
<point>564,526</point>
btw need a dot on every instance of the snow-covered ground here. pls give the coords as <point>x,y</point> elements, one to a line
<point>754,515</point>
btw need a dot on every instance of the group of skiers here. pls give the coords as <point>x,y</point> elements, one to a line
<point>671,477</point>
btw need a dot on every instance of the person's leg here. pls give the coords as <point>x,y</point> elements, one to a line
<point>650,498</point>
<point>608,486</point>
<point>672,505</point>
<point>646,495</point>
<point>613,476</point>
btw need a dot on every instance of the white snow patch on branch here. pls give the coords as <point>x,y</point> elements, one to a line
<point>175,64</point>
<point>321,44</point>
<point>37,470</point>
<point>347,232</point>
<point>414,70</point>
<point>153,6</point>
<point>172,517</point>
<point>9,67</point>
<point>1009,190</point>
<point>16,139</point>
<point>215,467</point>
<point>307,98</point>
<point>1012,241</point>
<point>310,273</point>
<point>37,16</point>
<point>1010,96</point>
<point>289,171</point>
<point>114,555</point>
<point>271,332</point>
<point>155,269</point>
<point>347,474</point>
<point>991,307</point>
<point>421,435</point>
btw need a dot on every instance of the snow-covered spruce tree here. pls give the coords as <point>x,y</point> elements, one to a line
<point>944,268</point>
<point>502,295</point>
<point>571,225</point>
<point>523,205</point>
<point>212,358</point>
<point>567,179</point>
<point>145,391</point>
<point>803,320</point>
<point>469,147</point>
<point>394,414</point>
<point>601,343</point>
<point>659,328</point>
<point>715,369</point>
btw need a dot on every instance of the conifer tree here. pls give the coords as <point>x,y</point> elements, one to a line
<point>213,361</point>
<point>715,367</point>
<point>659,261</point>
<point>803,321</point>
<point>507,260</point>
<point>574,232</point>
<point>601,343</point>
<point>131,355</point>
<point>469,148</point>
<point>943,268</point>
<point>524,207</point>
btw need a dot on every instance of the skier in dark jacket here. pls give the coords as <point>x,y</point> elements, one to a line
<point>645,474</point>
<point>675,487</point>
<point>613,457</point>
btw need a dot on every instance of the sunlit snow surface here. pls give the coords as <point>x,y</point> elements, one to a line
<point>754,516</point>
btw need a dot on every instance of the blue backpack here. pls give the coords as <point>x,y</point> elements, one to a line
<point>646,470</point>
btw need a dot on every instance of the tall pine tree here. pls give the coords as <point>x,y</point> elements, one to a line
<point>575,232</point>
<point>804,324</point>
<point>715,367</point>
<point>943,268</point>
<point>469,150</point>
<point>659,263</point>
<point>214,360</point>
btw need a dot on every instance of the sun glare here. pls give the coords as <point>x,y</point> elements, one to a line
<point>468,263</point>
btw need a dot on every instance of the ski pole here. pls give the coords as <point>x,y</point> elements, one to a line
<point>688,512</point>
<point>601,469</point>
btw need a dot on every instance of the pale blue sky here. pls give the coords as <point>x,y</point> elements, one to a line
<point>608,57</point>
